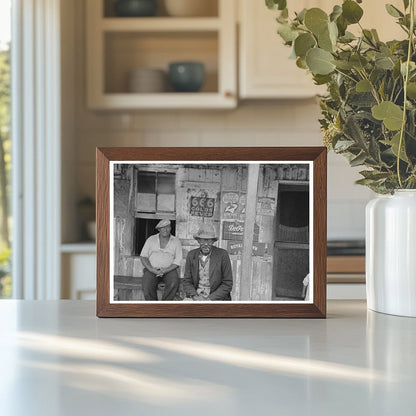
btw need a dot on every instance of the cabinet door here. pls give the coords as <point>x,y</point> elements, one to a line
<point>265,68</point>
<point>266,71</point>
<point>78,276</point>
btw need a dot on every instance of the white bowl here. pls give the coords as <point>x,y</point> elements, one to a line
<point>147,80</point>
<point>191,8</point>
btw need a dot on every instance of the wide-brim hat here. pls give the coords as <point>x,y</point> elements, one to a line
<point>206,231</point>
<point>162,223</point>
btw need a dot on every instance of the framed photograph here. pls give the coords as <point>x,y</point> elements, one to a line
<point>211,232</point>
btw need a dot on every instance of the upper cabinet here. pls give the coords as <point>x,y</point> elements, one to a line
<point>265,68</point>
<point>160,61</point>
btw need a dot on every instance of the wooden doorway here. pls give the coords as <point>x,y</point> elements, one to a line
<point>291,247</point>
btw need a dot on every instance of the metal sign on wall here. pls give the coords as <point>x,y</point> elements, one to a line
<point>233,230</point>
<point>234,205</point>
<point>202,206</point>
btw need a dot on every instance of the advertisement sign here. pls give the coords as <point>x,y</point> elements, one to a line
<point>234,205</point>
<point>266,206</point>
<point>233,230</point>
<point>202,206</point>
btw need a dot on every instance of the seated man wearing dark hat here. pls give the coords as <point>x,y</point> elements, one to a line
<point>161,256</point>
<point>208,274</point>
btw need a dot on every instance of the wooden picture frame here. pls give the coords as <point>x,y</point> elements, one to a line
<point>267,206</point>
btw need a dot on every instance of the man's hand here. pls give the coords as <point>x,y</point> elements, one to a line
<point>159,272</point>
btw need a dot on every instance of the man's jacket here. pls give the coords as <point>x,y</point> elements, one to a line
<point>220,274</point>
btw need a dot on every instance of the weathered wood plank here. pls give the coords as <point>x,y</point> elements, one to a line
<point>250,219</point>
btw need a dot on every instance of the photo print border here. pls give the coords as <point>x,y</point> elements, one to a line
<point>108,157</point>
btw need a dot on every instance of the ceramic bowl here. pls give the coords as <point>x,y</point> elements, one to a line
<point>186,76</point>
<point>135,8</point>
<point>147,80</point>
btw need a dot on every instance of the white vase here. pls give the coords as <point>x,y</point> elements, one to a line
<point>391,253</point>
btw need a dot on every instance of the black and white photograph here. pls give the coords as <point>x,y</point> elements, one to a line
<point>211,231</point>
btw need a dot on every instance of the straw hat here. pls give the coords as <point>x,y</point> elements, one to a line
<point>206,231</point>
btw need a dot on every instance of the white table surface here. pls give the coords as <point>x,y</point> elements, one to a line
<point>57,358</point>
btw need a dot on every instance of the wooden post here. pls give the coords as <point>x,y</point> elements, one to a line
<point>250,219</point>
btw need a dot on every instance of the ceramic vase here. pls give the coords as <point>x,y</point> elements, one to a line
<point>391,253</point>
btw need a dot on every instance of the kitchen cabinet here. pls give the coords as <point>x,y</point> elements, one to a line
<point>118,45</point>
<point>78,263</point>
<point>265,70</point>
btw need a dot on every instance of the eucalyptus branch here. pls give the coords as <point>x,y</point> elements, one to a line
<point>346,75</point>
<point>373,88</point>
<point>392,91</point>
<point>405,81</point>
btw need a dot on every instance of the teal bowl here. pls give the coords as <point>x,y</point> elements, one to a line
<point>135,8</point>
<point>186,76</point>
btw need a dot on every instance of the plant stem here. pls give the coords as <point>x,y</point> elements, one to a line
<point>405,81</point>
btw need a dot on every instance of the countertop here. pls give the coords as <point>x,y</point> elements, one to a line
<point>57,358</point>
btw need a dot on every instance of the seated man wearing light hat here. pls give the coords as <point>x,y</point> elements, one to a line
<point>208,274</point>
<point>161,256</point>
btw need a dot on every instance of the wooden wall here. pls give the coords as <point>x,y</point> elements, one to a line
<point>221,192</point>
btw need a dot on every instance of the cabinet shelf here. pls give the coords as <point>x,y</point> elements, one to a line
<point>196,100</point>
<point>118,46</point>
<point>160,24</point>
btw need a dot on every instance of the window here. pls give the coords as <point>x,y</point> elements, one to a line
<point>155,199</point>
<point>5,159</point>
<point>155,192</point>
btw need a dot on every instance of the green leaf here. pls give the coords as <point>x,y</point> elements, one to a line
<point>316,20</point>
<point>375,35</point>
<point>342,25</point>
<point>358,61</point>
<point>363,86</point>
<point>358,160</point>
<point>343,145</point>
<point>321,79</point>
<point>374,150</point>
<point>374,174</point>
<point>347,37</point>
<point>394,143</point>
<point>276,4</point>
<point>351,11</point>
<point>406,4</point>
<point>411,90</point>
<point>336,12</point>
<point>412,67</point>
<point>333,32</point>
<point>393,11</point>
<point>344,65</point>
<point>301,63</point>
<point>319,61</point>
<point>325,42</point>
<point>391,114</point>
<point>354,132</point>
<point>301,15</point>
<point>287,33</point>
<point>303,43</point>
<point>368,36</point>
<point>384,62</point>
